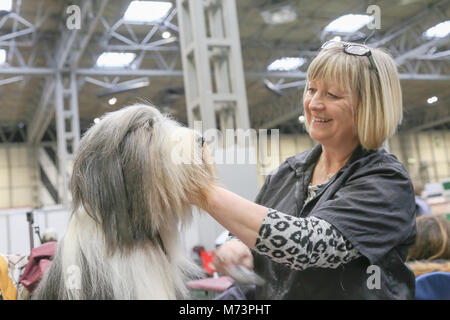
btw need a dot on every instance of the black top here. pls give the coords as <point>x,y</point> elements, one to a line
<point>371,202</point>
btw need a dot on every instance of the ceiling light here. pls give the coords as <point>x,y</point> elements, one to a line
<point>96,120</point>
<point>112,101</point>
<point>5,5</point>
<point>166,35</point>
<point>115,59</point>
<point>337,38</point>
<point>2,56</point>
<point>440,30</point>
<point>281,15</point>
<point>286,64</point>
<point>348,23</point>
<point>146,11</point>
<point>301,119</point>
<point>432,99</point>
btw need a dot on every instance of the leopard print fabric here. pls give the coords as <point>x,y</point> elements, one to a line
<point>301,243</point>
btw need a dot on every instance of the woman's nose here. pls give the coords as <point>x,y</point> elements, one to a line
<point>316,103</point>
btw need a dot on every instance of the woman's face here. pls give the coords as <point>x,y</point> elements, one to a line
<point>329,113</point>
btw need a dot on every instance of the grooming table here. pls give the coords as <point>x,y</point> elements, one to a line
<point>210,286</point>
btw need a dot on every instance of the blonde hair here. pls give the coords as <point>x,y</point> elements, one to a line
<point>379,105</point>
<point>423,267</point>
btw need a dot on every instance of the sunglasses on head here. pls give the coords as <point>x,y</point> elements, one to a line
<point>352,49</point>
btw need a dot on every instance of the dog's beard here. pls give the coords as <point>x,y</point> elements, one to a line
<point>87,271</point>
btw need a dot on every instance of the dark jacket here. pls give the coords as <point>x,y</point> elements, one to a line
<point>371,202</point>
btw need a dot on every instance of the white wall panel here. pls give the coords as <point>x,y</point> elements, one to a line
<point>20,177</point>
<point>19,228</point>
<point>19,156</point>
<point>3,158</point>
<point>22,197</point>
<point>3,234</point>
<point>5,195</point>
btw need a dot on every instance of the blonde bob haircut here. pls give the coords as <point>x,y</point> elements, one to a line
<point>378,111</point>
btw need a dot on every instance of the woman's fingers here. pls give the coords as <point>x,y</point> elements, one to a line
<point>247,261</point>
<point>230,254</point>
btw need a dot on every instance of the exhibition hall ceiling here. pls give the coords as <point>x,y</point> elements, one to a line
<point>35,40</point>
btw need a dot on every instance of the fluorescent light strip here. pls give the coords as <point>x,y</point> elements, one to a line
<point>2,56</point>
<point>440,30</point>
<point>286,64</point>
<point>115,59</point>
<point>5,5</point>
<point>282,15</point>
<point>348,23</point>
<point>146,11</point>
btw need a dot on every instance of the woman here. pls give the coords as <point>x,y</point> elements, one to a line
<point>431,252</point>
<point>326,215</point>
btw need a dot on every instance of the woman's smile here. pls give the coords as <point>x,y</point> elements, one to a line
<point>321,121</point>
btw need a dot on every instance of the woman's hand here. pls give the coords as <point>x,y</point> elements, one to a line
<point>241,217</point>
<point>232,253</point>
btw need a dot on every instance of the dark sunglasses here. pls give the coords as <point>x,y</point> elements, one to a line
<point>352,49</point>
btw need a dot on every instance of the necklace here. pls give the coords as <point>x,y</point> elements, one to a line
<point>330,175</point>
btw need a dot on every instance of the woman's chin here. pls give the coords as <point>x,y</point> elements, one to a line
<point>319,137</point>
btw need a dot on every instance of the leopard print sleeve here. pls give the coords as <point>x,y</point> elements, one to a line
<point>301,243</point>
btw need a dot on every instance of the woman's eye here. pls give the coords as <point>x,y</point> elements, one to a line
<point>311,90</point>
<point>332,95</point>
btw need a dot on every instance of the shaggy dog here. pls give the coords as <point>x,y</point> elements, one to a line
<point>134,177</point>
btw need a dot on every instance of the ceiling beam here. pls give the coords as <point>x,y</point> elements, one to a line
<point>43,114</point>
<point>64,51</point>
<point>429,125</point>
<point>421,49</point>
<point>68,37</point>
<point>87,37</point>
<point>28,71</point>
<point>408,24</point>
<point>33,71</point>
<point>282,119</point>
<point>128,72</point>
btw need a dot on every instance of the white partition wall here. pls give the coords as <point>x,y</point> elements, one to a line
<point>17,176</point>
<point>14,227</point>
<point>204,230</point>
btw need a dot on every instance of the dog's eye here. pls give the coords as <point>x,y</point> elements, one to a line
<point>149,124</point>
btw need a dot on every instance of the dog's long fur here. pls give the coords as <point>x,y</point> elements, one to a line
<point>129,197</point>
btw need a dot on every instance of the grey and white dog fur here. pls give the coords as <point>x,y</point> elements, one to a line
<point>130,195</point>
